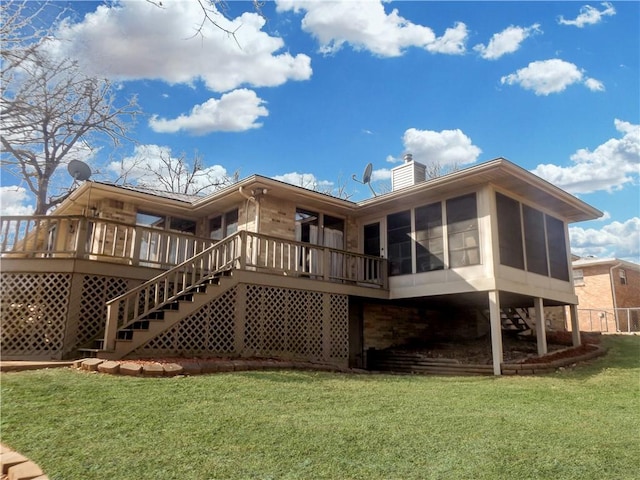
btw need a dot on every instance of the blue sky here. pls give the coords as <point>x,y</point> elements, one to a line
<point>311,92</point>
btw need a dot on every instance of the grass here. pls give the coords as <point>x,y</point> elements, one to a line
<point>580,423</point>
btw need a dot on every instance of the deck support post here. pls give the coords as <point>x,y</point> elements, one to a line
<point>575,325</point>
<point>496,331</point>
<point>541,331</point>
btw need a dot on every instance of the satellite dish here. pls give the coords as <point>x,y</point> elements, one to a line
<point>79,170</point>
<point>366,177</point>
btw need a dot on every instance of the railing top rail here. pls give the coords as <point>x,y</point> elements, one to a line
<point>169,272</point>
<point>98,220</point>
<point>38,217</point>
<point>313,246</point>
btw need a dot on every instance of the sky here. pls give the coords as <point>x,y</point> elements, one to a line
<point>310,92</point>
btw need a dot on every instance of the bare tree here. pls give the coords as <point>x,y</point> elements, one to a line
<point>212,13</point>
<point>436,169</point>
<point>50,111</point>
<point>166,173</point>
<point>338,190</point>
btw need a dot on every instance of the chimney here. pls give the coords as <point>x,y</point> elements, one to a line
<point>407,174</point>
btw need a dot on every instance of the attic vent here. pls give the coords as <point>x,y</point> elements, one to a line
<point>407,174</point>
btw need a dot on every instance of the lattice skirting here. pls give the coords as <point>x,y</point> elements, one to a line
<point>50,315</point>
<point>261,321</point>
<point>34,314</point>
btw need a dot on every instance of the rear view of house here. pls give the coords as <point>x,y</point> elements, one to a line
<point>267,269</point>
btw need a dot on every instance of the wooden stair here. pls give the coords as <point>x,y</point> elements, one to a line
<point>137,333</point>
<point>512,320</point>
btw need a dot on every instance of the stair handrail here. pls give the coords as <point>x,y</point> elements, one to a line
<point>223,255</point>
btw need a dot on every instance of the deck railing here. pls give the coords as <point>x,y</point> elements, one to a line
<point>95,239</point>
<point>246,251</point>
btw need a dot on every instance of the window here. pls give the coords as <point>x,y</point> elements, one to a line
<point>157,247</point>
<point>307,226</point>
<point>150,220</point>
<point>578,277</point>
<point>399,243</point>
<point>462,229</point>
<point>177,224</point>
<point>535,240</point>
<point>429,241</point>
<point>333,232</point>
<point>509,232</point>
<point>623,277</point>
<point>558,261</point>
<point>222,226</point>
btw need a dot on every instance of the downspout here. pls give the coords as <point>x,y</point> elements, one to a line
<point>613,293</point>
<point>250,198</point>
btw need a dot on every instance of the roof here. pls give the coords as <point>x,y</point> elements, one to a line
<point>500,173</point>
<point>592,262</point>
<point>183,197</point>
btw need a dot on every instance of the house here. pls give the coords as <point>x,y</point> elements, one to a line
<point>608,291</point>
<point>267,269</point>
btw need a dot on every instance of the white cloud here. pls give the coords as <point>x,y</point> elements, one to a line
<point>445,148</point>
<point>453,42</point>
<point>132,40</point>
<point>549,76</point>
<point>609,167</point>
<point>236,111</point>
<point>13,201</point>
<point>149,163</point>
<point>305,180</point>
<point>589,15</point>
<point>366,26</point>
<point>615,240</point>
<point>594,85</point>
<point>381,175</point>
<point>507,41</point>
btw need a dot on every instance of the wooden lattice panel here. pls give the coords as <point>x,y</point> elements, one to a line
<point>34,313</point>
<point>283,321</point>
<point>339,326</point>
<point>96,291</point>
<point>208,330</point>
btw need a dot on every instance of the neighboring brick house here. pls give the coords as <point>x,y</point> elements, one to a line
<point>267,269</point>
<point>608,293</point>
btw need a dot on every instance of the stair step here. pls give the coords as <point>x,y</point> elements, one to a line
<point>124,334</point>
<point>89,352</point>
<point>140,325</point>
<point>200,288</point>
<point>171,306</point>
<point>157,315</point>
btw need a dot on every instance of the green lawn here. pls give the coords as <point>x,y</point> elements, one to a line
<point>580,423</point>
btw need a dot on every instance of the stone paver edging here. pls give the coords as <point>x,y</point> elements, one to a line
<point>157,369</point>
<point>14,466</point>
<point>204,366</point>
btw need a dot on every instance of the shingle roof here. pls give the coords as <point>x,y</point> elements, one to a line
<point>182,197</point>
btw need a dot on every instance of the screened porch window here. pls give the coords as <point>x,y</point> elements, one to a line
<point>510,232</point>
<point>535,240</point>
<point>558,263</point>
<point>429,240</point>
<point>399,243</point>
<point>462,229</point>
<point>543,245</point>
